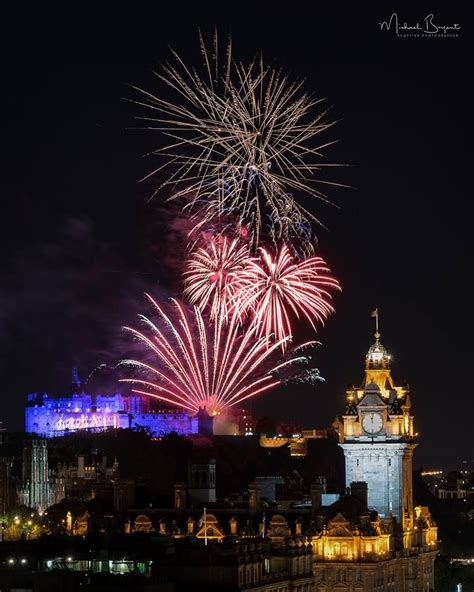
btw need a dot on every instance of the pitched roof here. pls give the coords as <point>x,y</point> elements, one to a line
<point>372,396</point>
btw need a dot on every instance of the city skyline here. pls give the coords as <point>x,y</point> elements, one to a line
<point>235,317</point>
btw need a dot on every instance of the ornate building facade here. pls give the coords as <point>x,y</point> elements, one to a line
<point>374,537</point>
<point>50,416</point>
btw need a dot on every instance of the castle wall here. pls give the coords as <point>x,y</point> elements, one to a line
<point>164,423</point>
<point>50,417</point>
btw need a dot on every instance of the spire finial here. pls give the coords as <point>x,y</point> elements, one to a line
<point>377,356</point>
<point>375,313</point>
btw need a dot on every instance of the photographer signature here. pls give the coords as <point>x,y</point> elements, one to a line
<point>429,27</point>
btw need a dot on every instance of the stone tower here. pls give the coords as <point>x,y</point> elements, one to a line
<point>202,481</point>
<point>378,439</point>
<point>35,491</point>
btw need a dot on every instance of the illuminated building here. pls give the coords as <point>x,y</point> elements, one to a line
<point>297,442</point>
<point>374,537</point>
<point>59,416</point>
<point>378,438</point>
<point>434,479</point>
<point>234,421</point>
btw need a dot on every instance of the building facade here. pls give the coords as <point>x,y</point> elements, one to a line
<point>59,416</point>
<point>378,438</point>
<point>374,537</point>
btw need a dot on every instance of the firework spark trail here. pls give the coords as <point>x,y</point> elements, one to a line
<point>240,139</point>
<point>213,275</point>
<point>277,286</point>
<point>198,367</point>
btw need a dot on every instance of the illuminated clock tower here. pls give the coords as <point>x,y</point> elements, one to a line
<point>378,439</point>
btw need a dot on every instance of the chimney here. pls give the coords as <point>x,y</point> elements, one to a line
<point>359,490</point>
<point>318,487</point>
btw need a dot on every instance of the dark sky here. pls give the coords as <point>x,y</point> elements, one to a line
<point>77,242</point>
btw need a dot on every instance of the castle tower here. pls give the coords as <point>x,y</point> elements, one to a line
<point>75,380</point>
<point>378,439</point>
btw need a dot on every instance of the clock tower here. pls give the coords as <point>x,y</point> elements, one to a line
<point>378,440</point>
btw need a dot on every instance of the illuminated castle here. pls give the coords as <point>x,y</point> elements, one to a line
<point>59,416</point>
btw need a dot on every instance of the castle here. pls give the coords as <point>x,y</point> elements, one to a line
<point>58,416</point>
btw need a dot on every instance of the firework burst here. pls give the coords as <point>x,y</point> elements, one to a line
<point>240,140</point>
<point>201,367</point>
<point>276,287</point>
<point>213,275</point>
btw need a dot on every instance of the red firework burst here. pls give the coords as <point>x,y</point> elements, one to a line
<point>275,287</point>
<point>195,365</point>
<point>214,275</point>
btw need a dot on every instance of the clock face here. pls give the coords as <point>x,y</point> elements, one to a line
<point>372,423</point>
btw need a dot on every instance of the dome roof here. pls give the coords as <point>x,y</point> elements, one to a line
<point>377,356</point>
<point>142,519</point>
<point>278,519</point>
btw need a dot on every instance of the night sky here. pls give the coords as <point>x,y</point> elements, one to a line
<point>80,244</point>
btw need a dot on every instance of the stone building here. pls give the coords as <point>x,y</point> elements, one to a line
<point>86,476</point>
<point>357,550</point>
<point>35,489</point>
<point>202,481</point>
<point>374,537</point>
<point>53,416</point>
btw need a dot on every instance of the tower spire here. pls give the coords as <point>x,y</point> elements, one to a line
<point>375,314</point>
<point>377,357</point>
